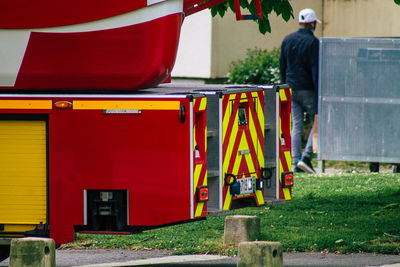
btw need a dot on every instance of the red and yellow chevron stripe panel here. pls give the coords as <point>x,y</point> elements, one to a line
<point>242,141</point>
<point>285,156</point>
<point>200,152</point>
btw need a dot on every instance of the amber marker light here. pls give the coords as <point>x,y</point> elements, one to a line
<point>63,104</point>
<point>202,193</point>
<point>287,179</point>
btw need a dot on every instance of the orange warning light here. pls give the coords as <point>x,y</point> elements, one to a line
<point>287,179</point>
<point>63,104</point>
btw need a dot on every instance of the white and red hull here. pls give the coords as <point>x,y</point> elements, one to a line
<point>126,48</point>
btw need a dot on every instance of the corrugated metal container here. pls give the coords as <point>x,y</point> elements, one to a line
<point>359,99</point>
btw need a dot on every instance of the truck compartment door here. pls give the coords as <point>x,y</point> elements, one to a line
<point>23,175</point>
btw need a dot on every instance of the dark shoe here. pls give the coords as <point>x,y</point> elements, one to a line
<point>297,169</point>
<point>305,165</point>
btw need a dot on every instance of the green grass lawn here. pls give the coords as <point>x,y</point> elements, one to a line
<point>343,213</point>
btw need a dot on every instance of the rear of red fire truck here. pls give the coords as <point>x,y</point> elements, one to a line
<point>75,153</point>
<point>79,151</point>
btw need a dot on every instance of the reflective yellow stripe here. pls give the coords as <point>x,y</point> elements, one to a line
<point>199,167</point>
<point>286,192</point>
<point>23,190</point>
<point>260,115</point>
<point>228,200</point>
<point>260,149</point>
<point>199,209</point>
<point>254,138</point>
<point>236,164</point>
<point>225,121</point>
<point>25,104</point>
<point>205,179</point>
<point>203,104</point>
<point>232,138</point>
<point>260,155</point>
<point>249,160</point>
<point>260,197</point>
<point>144,105</point>
<point>200,206</point>
<point>287,154</point>
<point>282,95</point>
<point>205,138</point>
<point>197,171</point>
<point>288,157</point>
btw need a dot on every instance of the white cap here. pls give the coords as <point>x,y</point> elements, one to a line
<point>308,15</point>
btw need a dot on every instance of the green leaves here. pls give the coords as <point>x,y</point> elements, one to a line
<point>259,67</point>
<point>397,2</point>
<point>287,11</point>
<point>280,7</point>
<point>264,26</point>
<point>219,9</point>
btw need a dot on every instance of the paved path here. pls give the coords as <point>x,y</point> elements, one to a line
<point>124,257</point>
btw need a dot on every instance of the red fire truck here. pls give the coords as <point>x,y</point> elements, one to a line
<point>84,148</point>
<point>119,163</point>
<point>100,162</point>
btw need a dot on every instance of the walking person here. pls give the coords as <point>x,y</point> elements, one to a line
<point>299,69</point>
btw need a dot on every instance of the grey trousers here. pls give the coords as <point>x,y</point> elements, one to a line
<point>302,101</point>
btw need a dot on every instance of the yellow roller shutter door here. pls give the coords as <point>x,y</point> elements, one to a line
<point>23,193</point>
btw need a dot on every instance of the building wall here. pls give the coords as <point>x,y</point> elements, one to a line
<point>361,18</point>
<point>194,51</point>
<point>208,46</point>
<point>231,38</point>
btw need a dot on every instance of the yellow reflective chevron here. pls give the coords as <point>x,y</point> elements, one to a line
<point>197,171</point>
<point>200,167</point>
<point>242,147</point>
<point>203,104</point>
<point>286,158</point>
<point>282,95</point>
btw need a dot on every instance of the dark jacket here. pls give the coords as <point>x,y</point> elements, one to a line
<point>299,60</point>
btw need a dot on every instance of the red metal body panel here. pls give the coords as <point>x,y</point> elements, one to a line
<point>200,153</point>
<point>285,134</point>
<point>104,52</point>
<point>123,58</point>
<point>27,14</point>
<point>138,153</point>
<point>48,13</point>
<point>149,155</point>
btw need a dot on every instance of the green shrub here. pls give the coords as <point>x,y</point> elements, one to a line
<point>259,67</point>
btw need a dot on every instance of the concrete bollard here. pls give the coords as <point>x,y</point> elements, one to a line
<point>241,228</point>
<point>260,253</point>
<point>32,251</point>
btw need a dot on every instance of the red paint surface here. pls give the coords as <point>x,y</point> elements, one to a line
<point>284,114</point>
<point>128,58</point>
<point>243,170</point>
<point>147,154</point>
<point>200,126</point>
<point>28,14</point>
